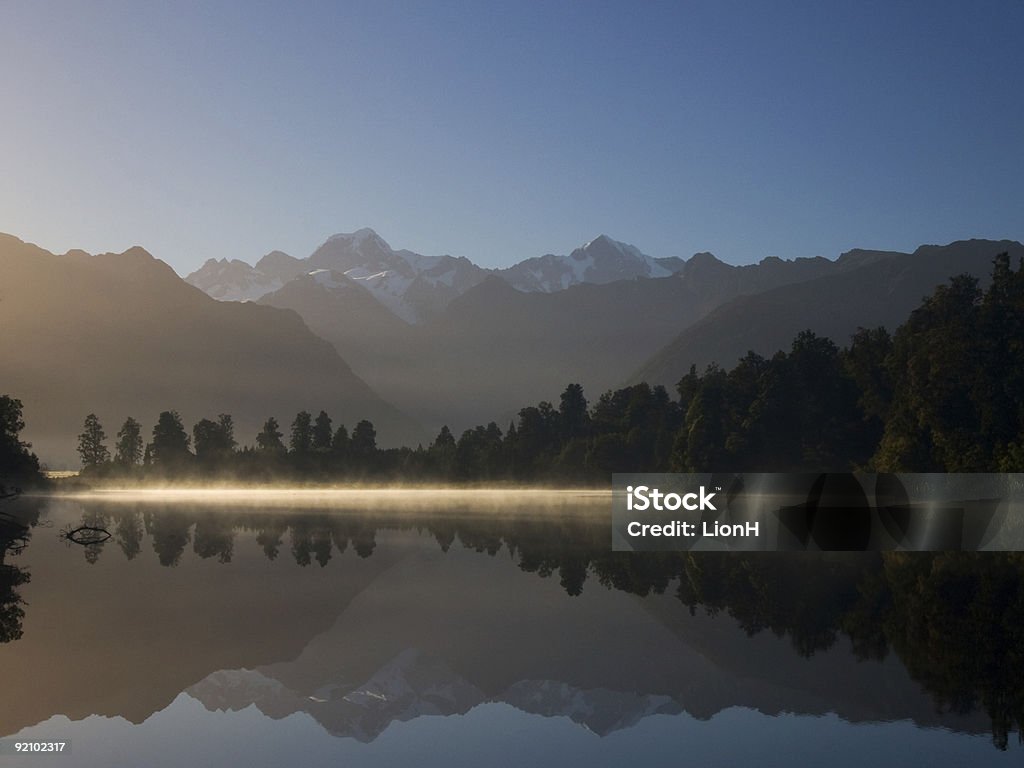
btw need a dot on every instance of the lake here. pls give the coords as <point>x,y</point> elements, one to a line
<point>483,628</point>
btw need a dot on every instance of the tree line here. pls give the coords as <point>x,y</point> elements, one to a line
<point>628,429</point>
<point>944,392</point>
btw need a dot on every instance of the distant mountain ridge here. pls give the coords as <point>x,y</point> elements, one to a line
<point>443,340</point>
<point>236,280</point>
<point>602,260</point>
<point>870,289</point>
<point>410,285</point>
<point>122,335</point>
<point>415,287</point>
<point>494,349</point>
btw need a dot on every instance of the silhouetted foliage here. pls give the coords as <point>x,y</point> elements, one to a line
<point>18,465</point>
<point>91,447</point>
<point>170,444</point>
<point>269,438</point>
<point>128,452</point>
<point>322,434</point>
<point>302,433</point>
<point>14,537</point>
<point>364,439</point>
<point>214,441</point>
<point>944,392</point>
<point>442,454</point>
<point>957,378</point>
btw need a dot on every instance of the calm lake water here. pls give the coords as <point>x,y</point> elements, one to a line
<point>471,629</point>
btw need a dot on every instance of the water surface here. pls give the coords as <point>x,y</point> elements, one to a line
<point>485,628</point>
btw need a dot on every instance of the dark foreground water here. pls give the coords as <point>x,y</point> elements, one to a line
<point>483,630</point>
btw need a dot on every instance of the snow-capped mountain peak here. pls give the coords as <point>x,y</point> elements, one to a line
<point>236,280</point>
<point>601,260</point>
<point>416,287</point>
<point>357,237</point>
<point>363,248</point>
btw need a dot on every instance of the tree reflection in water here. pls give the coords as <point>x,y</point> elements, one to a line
<point>15,525</point>
<point>955,620</point>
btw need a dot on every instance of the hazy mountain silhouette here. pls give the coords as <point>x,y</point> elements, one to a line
<point>137,340</point>
<point>235,280</point>
<point>122,335</point>
<point>495,349</point>
<point>869,289</point>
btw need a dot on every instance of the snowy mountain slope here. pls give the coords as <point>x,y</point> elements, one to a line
<point>417,288</point>
<point>412,286</point>
<point>235,280</point>
<point>600,261</point>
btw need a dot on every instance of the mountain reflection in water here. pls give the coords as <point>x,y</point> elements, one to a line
<point>360,617</point>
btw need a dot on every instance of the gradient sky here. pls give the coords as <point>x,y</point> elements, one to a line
<point>500,131</point>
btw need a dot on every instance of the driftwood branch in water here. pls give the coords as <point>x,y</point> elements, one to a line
<point>86,535</point>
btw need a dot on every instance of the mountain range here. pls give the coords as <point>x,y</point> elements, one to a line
<point>122,335</point>
<point>416,287</point>
<point>456,344</point>
<point>870,289</point>
<point>413,342</point>
<point>487,343</point>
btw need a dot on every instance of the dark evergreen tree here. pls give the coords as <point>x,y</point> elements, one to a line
<point>341,448</point>
<point>227,432</point>
<point>827,400</point>
<point>128,452</point>
<point>442,454</point>
<point>214,441</point>
<point>170,446</point>
<point>536,441</point>
<point>479,453</point>
<point>18,465</point>
<point>269,438</point>
<point>573,415</point>
<point>91,447</point>
<point>633,430</point>
<point>322,432</point>
<point>936,362</point>
<point>302,433</point>
<point>364,439</point>
<point>866,362</point>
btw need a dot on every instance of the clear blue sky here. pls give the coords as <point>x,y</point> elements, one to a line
<point>500,131</point>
